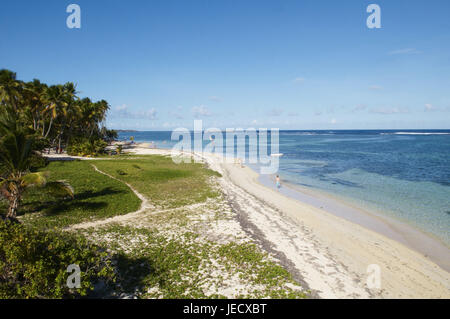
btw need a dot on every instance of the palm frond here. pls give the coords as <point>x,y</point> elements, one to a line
<point>35,179</point>
<point>3,183</point>
<point>15,144</point>
<point>60,188</point>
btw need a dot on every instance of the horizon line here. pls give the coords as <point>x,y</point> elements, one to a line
<point>341,129</point>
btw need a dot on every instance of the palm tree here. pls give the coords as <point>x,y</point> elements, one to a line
<point>54,112</point>
<point>16,148</point>
<point>67,109</point>
<point>54,98</point>
<point>10,89</point>
<point>88,116</point>
<point>73,119</point>
<point>34,100</point>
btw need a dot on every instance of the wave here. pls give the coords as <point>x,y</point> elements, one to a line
<point>415,133</point>
<point>305,133</point>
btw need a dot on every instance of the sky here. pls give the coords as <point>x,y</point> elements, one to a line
<point>300,64</point>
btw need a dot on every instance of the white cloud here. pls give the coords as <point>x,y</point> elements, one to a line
<point>201,111</point>
<point>176,113</point>
<point>124,113</point>
<point>149,114</point>
<point>121,107</point>
<point>359,107</point>
<point>215,99</point>
<point>375,87</point>
<point>168,125</point>
<point>275,112</point>
<point>298,80</point>
<point>430,107</point>
<point>405,51</point>
<point>392,110</point>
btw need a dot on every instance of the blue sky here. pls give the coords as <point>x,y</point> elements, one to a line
<point>287,64</point>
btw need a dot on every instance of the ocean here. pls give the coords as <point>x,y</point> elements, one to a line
<point>402,174</point>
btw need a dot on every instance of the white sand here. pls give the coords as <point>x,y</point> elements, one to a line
<point>404,273</point>
<point>330,253</point>
<point>327,253</point>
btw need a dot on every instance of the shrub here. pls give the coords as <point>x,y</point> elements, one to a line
<point>86,147</point>
<point>121,172</point>
<point>99,146</point>
<point>110,135</point>
<point>33,263</point>
<point>40,143</point>
<point>37,161</point>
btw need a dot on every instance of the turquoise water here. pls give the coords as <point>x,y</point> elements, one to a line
<point>403,174</point>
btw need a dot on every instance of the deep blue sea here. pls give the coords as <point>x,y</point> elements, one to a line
<point>404,174</point>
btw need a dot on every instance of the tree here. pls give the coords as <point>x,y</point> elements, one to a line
<point>54,112</point>
<point>34,102</point>
<point>16,149</point>
<point>10,89</point>
<point>67,109</point>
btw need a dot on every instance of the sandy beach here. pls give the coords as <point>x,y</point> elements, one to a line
<point>327,253</point>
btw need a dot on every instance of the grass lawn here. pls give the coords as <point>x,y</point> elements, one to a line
<point>164,183</point>
<point>96,197</point>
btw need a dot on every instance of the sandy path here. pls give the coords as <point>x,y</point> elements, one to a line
<point>146,209</point>
<point>145,206</point>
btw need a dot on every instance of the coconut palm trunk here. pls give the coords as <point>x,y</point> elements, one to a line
<point>14,203</point>
<point>12,189</point>
<point>49,128</point>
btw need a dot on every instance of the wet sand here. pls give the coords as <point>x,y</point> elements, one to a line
<point>411,237</point>
<point>331,253</point>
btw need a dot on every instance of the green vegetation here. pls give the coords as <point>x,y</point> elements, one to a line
<point>34,116</point>
<point>161,255</point>
<point>16,160</point>
<point>54,114</point>
<point>162,259</point>
<point>33,264</point>
<point>86,147</point>
<point>96,197</point>
<point>164,183</point>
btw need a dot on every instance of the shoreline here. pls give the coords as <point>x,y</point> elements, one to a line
<point>327,252</point>
<point>406,273</point>
<point>414,238</point>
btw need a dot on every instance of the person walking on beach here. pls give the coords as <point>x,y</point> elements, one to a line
<point>278,182</point>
